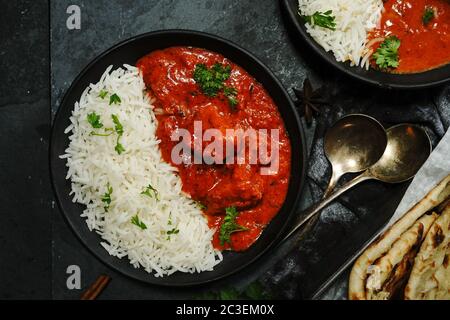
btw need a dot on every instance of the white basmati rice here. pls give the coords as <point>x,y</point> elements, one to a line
<point>93,164</point>
<point>354,19</point>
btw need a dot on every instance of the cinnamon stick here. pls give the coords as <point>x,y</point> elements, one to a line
<point>96,288</point>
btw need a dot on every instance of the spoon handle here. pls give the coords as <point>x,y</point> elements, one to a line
<point>332,183</point>
<point>314,209</point>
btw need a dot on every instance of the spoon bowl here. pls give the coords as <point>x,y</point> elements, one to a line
<point>407,150</point>
<point>353,144</point>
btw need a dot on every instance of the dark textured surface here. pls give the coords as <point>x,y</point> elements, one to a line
<point>25,239</point>
<point>260,29</point>
<point>26,204</point>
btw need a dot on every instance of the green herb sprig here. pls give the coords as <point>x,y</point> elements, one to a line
<point>117,125</point>
<point>231,94</point>
<point>137,222</point>
<point>102,94</point>
<point>428,15</point>
<point>151,192</point>
<point>211,81</point>
<point>114,99</point>
<point>172,232</point>
<point>322,19</point>
<point>229,225</point>
<point>386,55</point>
<point>119,130</point>
<point>106,198</point>
<point>119,147</point>
<point>94,120</point>
<point>201,206</point>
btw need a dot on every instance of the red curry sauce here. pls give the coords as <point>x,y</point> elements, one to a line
<point>168,75</point>
<point>423,46</point>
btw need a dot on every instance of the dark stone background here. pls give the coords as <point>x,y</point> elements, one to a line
<point>31,227</point>
<point>26,195</point>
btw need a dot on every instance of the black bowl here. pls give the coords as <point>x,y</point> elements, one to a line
<point>381,79</point>
<point>129,52</point>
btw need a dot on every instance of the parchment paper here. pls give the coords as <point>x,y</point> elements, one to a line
<point>432,172</point>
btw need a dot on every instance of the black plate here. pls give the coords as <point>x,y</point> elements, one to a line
<point>129,52</point>
<point>399,81</point>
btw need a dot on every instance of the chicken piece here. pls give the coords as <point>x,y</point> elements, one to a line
<point>210,117</point>
<point>243,189</point>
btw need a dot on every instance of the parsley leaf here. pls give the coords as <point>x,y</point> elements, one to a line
<point>428,15</point>
<point>102,94</point>
<point>229,225</point>
<point>119,147</point>
<point>220,72</point>
<point>386,55</point>
<point>233,102</point>
<point>114,99</point>
<point>106,198</point>
<point>151,192</point>
<point>211,80</point>
<point>94,120</point>
<point>231,93</point>
<point>322,19</point>
<point>119,130</point>
<point>200,205</point>
<point>173,231</point>
<point>117,124</point>
<point>135,220</point>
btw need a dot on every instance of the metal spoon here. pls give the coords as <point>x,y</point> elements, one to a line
<point>353,144</point>
<point>407,149</point>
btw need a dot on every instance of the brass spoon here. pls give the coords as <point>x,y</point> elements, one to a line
<point>353,144</point>
<point>407,149</point>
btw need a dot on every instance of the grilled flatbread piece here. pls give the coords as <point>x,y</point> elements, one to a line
<point>392,269</point>
<point>395,285</point>
<point>359,273</point>
<point>430,275</point>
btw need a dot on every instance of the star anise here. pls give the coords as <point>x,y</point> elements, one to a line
<point>309,101</point>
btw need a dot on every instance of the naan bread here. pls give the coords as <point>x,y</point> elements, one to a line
<point>393,268</point>
<point>430,276</point>
<point>359,273</point>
